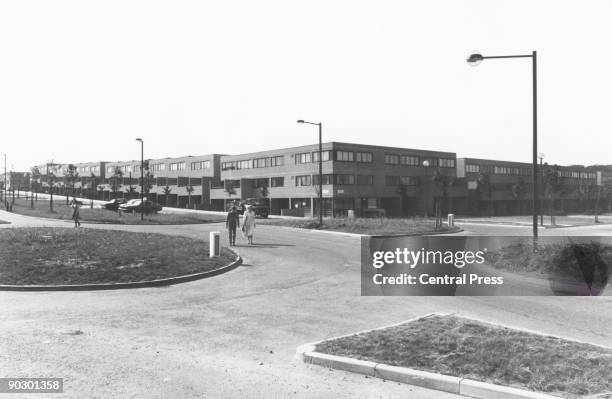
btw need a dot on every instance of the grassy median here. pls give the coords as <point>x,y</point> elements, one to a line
<point>465,348</point>
<point>371,226</point>
<point>52,256</point>
<point>64,212</point>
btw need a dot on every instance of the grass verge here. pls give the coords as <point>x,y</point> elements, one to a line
<point>53,256</point>
<point>64,212</point>
<point>363,225</point>
<point>465,348</point>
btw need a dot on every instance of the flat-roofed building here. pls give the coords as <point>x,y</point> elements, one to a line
<point>498,187</point>
<point>364,178</point>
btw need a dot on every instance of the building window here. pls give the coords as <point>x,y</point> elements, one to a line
<point>446,163</point>
<point>304,157</point>
<point>409,160</point>
<point>363,156</point>
<point>176,166</point>
<point>392,180</point>
<point>303,180</point>
<point>364,180</point>
<point>277,182</point>
<point>158,166</point>
<point>326,156</point>
<point>391,159</point>
<point>471,168</point>
<point>344,156</point>
<point>408,181</point>
<point>258,183</point>
<point>244,164</point>
<point>260,162</point>
<point>345,179</point>
<point>327,179</point>
<point>231,165</point>
<point>200,165</point>
<point>277,161</point>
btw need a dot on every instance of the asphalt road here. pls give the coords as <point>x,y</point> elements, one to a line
<point>235,335</point>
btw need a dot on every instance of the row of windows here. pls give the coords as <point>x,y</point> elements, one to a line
<point>360,180</point>
<point>89,169</point>
<point>577,175</point>
<point>401,180</point>
<point>200,165</point>
<point>254,163</point>
<point>514,171</point>
<point>175,166</point>
<point>413,160</point>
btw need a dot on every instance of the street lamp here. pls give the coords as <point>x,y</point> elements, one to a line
<point>475,59</point>
<point>320,124</point>
<point>426,166</point>
<point>141,178</point>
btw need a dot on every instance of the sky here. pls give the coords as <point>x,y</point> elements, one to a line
<point>80,80</point>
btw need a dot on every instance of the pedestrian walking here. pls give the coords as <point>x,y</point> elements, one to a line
<point>248,225</point>
<point>75,212</point>
<point>232,222</point>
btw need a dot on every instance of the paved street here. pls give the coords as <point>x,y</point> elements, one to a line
<point>235,335</point>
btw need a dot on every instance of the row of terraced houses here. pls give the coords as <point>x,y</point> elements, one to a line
<point>365,178</point>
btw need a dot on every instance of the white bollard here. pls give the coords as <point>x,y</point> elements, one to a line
<point>215,244</point>
<point>451,220</point>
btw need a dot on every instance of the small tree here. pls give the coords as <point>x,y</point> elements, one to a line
<point>50,179</point>
<point>553,185</point>
<point>443,183</point>
<point>116,179</point>
<point>70,179</point>
<point>401,191</point>
<point>35,182</point>
<point>485,188</point>
<point>607,194</point>
<point>189,189</point>
<point>149,179</point>
<point>519,190</point>
<point>167,191</point>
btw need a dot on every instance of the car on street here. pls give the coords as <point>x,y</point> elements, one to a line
<point>138,205</point>
<point>113,205</point>
<point>261,209</point>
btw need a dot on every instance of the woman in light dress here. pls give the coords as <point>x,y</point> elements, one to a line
<point>248,224</point>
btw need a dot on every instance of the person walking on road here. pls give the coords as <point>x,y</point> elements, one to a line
<point>75,212</point>
<point>248,225</point>
<point>232,222</point>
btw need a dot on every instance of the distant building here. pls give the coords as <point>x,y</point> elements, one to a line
<point>368,179</point>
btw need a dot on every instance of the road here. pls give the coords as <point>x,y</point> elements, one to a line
<point>235,335</point>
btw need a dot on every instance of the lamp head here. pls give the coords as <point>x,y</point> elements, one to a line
<point>426,163</point>
<point>300,121</point>
<point>475,59</point>
<point>138,139</point>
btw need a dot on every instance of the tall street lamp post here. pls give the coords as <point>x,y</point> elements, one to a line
<point>320,124</point>
<point>141,178</point>
<point>475,59</point>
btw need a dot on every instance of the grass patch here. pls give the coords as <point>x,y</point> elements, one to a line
<point>519,256</point>
<point>363,225</point>
<point>465,348</point>
<point>51,256</point>
<point>64,212</point>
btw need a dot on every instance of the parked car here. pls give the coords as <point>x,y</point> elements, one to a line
<point>260,208</point>
<point>136,205</point>
<point>113,205</point>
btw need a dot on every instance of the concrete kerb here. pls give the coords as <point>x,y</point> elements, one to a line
<point>135,284</point>
<point>440,382</point>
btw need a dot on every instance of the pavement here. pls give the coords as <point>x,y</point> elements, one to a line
<point>235,335</point>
